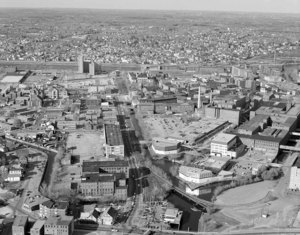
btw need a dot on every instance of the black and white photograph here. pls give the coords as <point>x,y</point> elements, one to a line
<point>159,117</point>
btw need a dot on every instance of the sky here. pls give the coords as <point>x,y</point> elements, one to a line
<point>282,6</point>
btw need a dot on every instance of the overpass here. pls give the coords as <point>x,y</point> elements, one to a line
<point>196,200</point>
<point>295,133</point>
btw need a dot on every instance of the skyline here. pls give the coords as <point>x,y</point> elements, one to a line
<point>272,6</point>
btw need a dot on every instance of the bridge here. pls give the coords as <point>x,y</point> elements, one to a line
<point>290,148</point>
<point>31,144</point>
<point>196,200</point>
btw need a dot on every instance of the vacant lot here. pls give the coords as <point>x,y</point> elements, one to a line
<point>246,194</point>
<point>88,145</point>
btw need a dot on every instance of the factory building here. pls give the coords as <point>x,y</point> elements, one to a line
<point>223,145</point>
<point>113,140</point>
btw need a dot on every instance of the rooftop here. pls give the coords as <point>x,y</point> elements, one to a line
<point>90,166</point>
<point>20,220</point>
<point>253,123</point>
<point>64,220</point>
<point>12,78</point>
<point>38,225</point>
<point>113,135</point>
<point>223,138</point>
<point>98,178</point>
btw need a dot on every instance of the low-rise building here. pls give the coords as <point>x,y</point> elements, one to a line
<point>173,216</point>
<point>165,146</point>
<point>193,174</point>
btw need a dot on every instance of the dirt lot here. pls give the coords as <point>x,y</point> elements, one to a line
<point>281,208</point>
<point>88,145</point>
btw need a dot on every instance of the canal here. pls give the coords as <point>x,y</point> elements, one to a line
<point>49,167</point>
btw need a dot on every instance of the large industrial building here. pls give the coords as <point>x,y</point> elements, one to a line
<point>113,140</point>
<point>269,126</point>
<point>104,178</point>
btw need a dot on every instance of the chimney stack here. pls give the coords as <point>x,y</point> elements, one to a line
<point>199,98</point>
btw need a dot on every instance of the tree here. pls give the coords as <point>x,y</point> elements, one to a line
<point>174,170</point>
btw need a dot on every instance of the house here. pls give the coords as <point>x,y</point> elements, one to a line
<point>108,216</point>
<point>15,174</point>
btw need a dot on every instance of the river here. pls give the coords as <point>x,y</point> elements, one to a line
<point>190,219</point>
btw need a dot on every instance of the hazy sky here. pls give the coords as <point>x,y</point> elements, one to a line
<point>285,6</point>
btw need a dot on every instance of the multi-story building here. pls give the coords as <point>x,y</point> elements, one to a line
<point>63,225</point>
<point>20,225</point>
<point>113,140</point>
<point>49,209</point>
<point>98,185</point>
<point>104,185</point>
<point>222,145</point>
<point>118,166</point>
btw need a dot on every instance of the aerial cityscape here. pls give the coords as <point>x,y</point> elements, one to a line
<point>149,121</point>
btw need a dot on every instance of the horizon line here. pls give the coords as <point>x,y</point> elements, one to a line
<point>143,9</point>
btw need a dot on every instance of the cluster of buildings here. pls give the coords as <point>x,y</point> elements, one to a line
<point>104,178</point>
<point>141,44</point>
<point>63,225</point>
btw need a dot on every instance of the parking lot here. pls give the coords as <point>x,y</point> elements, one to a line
<point>88,146</point>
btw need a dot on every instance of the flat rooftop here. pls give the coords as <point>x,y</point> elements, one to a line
<point>223,138</point>
<point>187,170</point>
<point>113,136</point>
<point>12,78</point>
<point>94,166</point>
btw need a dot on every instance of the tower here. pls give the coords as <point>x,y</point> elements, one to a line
<point>199,98</point>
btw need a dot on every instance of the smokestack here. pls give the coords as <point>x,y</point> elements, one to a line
<point>210,97</point>
<point>199,98</point>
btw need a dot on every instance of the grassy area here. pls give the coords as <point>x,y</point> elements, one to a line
<point>246,194</point>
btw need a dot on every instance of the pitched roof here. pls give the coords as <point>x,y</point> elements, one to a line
<point>112,212</point>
